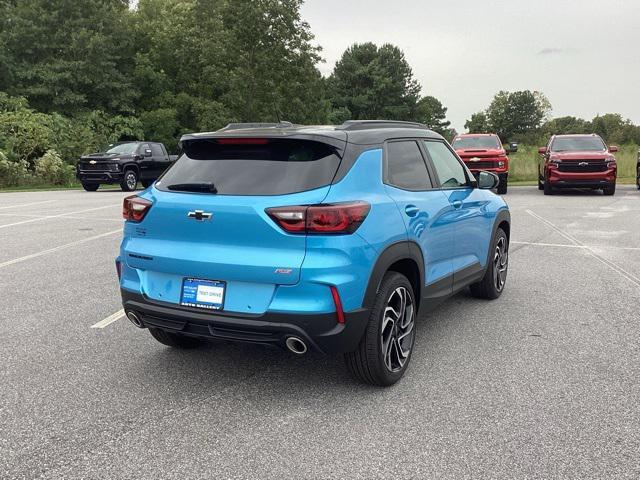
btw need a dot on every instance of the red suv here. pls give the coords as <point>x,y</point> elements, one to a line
<point>484,152</point>
<point>577,161</point>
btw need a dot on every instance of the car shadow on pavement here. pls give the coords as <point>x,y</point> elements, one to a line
<point>219,365</point>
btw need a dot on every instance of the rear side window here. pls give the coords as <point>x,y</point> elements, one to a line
<point>253,166</point>
<point>405,166</point>
<point>450,171</point>
<point>156,150</point>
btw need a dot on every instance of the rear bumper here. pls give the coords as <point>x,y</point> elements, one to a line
<point>320,331</point>
<point>102,177</point>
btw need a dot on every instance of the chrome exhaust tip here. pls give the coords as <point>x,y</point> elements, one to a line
<point>296,345</point>
<point>134,318</point>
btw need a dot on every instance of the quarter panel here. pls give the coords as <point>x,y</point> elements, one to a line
<point>348,261</point>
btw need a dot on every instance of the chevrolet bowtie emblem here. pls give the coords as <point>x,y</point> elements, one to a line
<point>583,164</point>
<point>200,215</point>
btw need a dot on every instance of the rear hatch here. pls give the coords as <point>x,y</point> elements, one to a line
<point>208,218</point>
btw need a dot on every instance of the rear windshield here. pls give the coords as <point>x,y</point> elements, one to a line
<point>579,144</point>
<point>252,166</point>
<point>481,143</point>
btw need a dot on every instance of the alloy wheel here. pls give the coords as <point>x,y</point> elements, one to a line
<point>131,180</point>
<point>398,329</point>
<point>500,263</point>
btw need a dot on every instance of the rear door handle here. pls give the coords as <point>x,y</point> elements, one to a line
<point>411,210</point>
<point>457,203</point>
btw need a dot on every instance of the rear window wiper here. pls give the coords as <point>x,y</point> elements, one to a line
<point>207,187</point>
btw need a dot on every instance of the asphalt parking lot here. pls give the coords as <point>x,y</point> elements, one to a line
<point>542,383</point>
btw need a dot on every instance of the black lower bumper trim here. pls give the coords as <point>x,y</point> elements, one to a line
<point>320,331</point>
<point>581,184</point>
<point>103,177</point>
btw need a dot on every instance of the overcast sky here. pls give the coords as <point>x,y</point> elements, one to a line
<point>583,54</point>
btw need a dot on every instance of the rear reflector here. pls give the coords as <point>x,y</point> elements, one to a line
<point>338,304</point>
<point>336,218</point>
<point>135,208</point>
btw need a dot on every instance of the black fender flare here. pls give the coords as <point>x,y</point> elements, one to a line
<point>503,216</point>
<point>403,250</point>
<point>131,166</point>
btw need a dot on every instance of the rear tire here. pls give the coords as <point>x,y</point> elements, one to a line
<point>495,277</point>
<point>385,349</point>
<point>175,340</point>
<point>129,181</point>
<point>609,190</point>
<point>502,186</point>
<point>90,187</point>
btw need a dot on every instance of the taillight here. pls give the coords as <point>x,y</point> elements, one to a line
<point>119,269</point>
<point>135,208</point>
<point>336,218</point>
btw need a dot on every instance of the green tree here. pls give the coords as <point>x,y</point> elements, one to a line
<point>69,55</point>
<point>566,125</point>
<point>613,128</point>
<point>432,113</point>
<point>517,113</point>
<point>270,63</point>
<point>478,123</point>
<point>374,82</point>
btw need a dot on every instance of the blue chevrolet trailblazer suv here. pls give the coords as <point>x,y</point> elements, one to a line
<point>330,238</point>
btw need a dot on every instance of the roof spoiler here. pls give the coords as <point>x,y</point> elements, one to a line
<point>352,125</point>
<point>243,126</point>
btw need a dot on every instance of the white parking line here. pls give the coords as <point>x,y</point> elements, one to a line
<point>60,247</point>
<point>537,244</point>
<point>109,320</point>
<point>73,217</point>
<point>564,245</point>
<point>59,215</point>
<point>616,268</point>
<point>27,204</point>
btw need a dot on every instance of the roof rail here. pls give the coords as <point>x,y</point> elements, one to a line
<point>351,125</point>
<point>242,126</point>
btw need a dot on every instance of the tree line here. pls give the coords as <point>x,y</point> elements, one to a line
<point>76,75</point>
<point>524,117</point>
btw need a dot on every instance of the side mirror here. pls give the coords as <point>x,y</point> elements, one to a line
<point>147,152</point>
<point>613,149</point>
<point>487,180</point>
<point>512,148</point>
<point>542,150</point>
